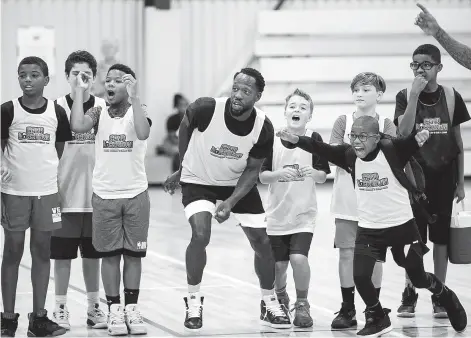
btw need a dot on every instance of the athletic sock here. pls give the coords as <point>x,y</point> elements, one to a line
<point>130,296</point>
<point>112,300</point>
<point>348,296</point>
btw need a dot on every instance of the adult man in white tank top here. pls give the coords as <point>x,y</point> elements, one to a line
<point>33,132</point>
<point>385,217</point>
<point>120,202</point>
<point>223,143</point>
<point>75,189</point>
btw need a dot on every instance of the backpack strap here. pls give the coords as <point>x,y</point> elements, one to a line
<point>450,101</point>
<point>418,196</point>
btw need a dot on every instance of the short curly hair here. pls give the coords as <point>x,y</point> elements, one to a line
<point>125,69</point>
<point>259,80</point>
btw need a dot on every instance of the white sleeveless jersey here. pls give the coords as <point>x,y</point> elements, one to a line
<point>30,153</point>
<point>217,156</point>
<point>291,206</point>
<point>382,201</point>
<point>119,158</point>
<point>343,204</point>
<point>76,166</point>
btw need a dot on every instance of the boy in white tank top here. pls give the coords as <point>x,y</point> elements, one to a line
<point>385,219</point>
<point>75,189</point>
<point>292,175</point>
<point>120,201</point>
<point>33,132</point>
<point>367,91</point>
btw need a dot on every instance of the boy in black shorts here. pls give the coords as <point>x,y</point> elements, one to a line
<point>385,216</point>
<point>440,110</point>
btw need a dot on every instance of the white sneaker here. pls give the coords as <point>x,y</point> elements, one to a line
<point>116,323</point>
<point>96,318</point>
<point>61,316</point>
<point>134,320</point>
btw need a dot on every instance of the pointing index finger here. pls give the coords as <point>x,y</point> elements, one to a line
<point>422,7</point>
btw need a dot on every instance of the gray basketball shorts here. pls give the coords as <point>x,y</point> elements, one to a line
<point>120,226</point>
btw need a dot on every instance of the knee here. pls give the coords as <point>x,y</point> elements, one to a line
<point>201,237</point>
<point>13,248</point>
<point>131,260</point>
<point>298,260</point>
<point>281,267</point>
<point>418,278</point>
<point>259,240</point>
<point>346,254</point>
<point>360,278</point>
<point>40,245</point>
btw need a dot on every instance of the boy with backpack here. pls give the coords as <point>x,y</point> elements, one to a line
<point>426,105</point>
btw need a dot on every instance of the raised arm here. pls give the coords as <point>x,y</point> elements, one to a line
<point>406,122</point>
<point>458,51</point>
<point>79,121</point>
<point>141,122</point>
<point>336,154</point>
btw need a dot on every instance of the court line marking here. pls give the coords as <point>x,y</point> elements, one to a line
<point>244,283</point>
<point>147,320</point>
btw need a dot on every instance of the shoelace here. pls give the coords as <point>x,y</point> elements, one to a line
<point>117,317</point>
<point>134,317</point>
<point>97,313</point>
<point>62,314</point>
<point>194,310</point>
<point>301,307</point>
<point>343,311</point>
<point>276,310</point>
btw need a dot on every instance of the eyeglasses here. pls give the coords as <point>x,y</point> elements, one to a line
<point>361,137</point>
<point>424,65</point>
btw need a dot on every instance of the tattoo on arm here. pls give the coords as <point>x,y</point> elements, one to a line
<point>458,51</point>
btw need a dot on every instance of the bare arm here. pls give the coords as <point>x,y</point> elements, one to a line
<point>247,180</point>
<point>141,124</point>
<point>430,26</point>
<point>460,158</point>
<point>458,51</point>
<point>79,121</point>
<point>184,136</point>
<point>406,122</point>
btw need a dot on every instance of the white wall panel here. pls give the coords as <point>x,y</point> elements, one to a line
<point>78,24</point>
<point>218,37</point>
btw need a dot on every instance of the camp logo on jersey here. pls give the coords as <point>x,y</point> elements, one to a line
<point>226,151</point>
<point>299,176</point>
<point>34,135</point>
<point>372,182</point>
<point>117,143</point>
<point>433,125</point>
<point>83,138</point>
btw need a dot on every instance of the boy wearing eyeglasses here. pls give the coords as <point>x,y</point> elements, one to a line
<point>367,90</point>
<point>426,105</point>
<point>385,218</point>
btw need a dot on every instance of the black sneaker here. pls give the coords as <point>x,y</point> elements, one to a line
<point>408,303</point>
<point>302,316</point>
<point>9,325</point>
<point>41,326</point>
<point>438,310</point>
<point>375,325</point>
<point>194,315</point>
<point>345,318</point>
<point>454,309</point>
<point>273,315</point>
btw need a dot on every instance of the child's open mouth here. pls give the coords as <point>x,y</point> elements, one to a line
<point>295,118</point>
<point>111,93</point>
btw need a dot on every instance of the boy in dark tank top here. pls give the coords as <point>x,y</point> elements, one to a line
<point>440,110</point>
